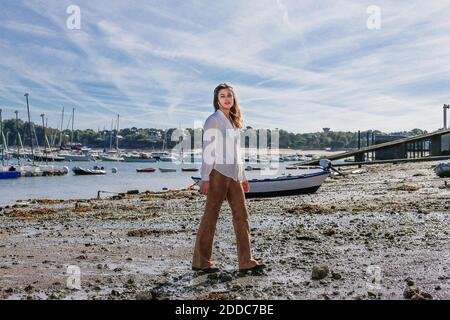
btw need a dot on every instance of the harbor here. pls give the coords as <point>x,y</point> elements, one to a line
<point>167,175</point>
<point>366,239</point>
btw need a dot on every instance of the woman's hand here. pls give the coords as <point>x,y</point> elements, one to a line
<point>246,186</point>
<point>204,187</point>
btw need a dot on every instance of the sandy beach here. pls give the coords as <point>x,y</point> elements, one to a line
<point>380,234</point>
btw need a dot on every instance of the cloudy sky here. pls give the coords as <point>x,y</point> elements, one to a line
<point>296,65</point>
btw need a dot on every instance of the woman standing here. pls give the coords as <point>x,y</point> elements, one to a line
<point>223,176</point>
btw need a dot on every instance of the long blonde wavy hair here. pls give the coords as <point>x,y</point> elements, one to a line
<point>235,111</point>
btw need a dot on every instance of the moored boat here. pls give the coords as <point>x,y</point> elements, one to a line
<point>85,171</point>
<point>68,156</point>
<point>250,168</point>
<point>189,169</point>
<point>111,158</point>
<point>146,170</point>
<point>167,170</point>
<point>158,155</point>
<point>142,157</point>
<point>9,172</point>
<point>9,175</point>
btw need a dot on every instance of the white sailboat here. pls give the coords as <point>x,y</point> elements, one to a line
<point>113,155</point>
<point>139,157</point>
<point>76,152</point>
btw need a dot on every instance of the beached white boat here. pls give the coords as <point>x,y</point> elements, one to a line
<point>285,185</point>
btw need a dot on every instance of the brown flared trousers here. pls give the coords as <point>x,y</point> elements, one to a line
<point>221,187</point>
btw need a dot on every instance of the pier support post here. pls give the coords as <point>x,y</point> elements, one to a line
<point>436,145</point>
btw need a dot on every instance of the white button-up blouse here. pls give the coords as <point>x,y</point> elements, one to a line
<point>222,148</point>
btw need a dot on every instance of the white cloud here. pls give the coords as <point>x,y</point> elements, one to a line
<point>295,65</point>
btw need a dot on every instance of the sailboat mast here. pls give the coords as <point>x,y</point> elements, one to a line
<point>61,131</point>
<point>29,128</point>
<point>117,135</point>
<point>71,134</point>
<point>164,141</point>
<point>18,137</point>
<point>110,134</point>
<point>44,138</point>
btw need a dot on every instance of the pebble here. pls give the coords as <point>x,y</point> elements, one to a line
<point>319,272</point>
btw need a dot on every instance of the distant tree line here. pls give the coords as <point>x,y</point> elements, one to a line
<point>139,138</point>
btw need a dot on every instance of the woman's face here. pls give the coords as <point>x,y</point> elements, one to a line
<point>226,99</point>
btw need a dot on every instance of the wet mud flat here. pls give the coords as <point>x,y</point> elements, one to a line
<point>380,234</point>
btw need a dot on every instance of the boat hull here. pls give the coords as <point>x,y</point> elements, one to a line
<point>112,159</point>
<point>284,186</point>
<point>9,175</point>
<point>77,158</point>
<point>43,158</point>
<point>272,194</point>
<point>146,170</point>
<point>167,170</point>
<point>140,160</point>
<point>84,172</point>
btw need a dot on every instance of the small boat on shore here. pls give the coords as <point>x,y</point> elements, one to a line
<point>146,170</point>
<point>443,170</point>
<point>285,185</point>
<point>167,170</point>
<point>84,171</point>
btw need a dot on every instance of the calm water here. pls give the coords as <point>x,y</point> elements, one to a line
<point>74,187</point>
